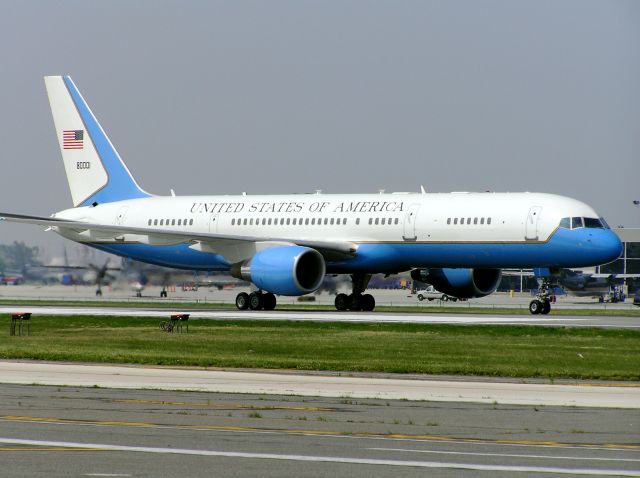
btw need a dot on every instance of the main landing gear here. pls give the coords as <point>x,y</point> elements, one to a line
<point>542,303</point>
<point>256,301</point>
<point>357,301</point>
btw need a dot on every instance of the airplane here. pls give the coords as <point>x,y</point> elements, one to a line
<point>285,244</point>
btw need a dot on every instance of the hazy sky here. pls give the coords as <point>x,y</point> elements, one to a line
<point>344,96</point>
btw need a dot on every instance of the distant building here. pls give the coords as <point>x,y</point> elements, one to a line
<point>629,262</point>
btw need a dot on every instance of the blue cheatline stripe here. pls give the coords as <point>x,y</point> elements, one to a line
<point>121,184</point>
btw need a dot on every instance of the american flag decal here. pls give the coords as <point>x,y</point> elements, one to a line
<point>73,139</point>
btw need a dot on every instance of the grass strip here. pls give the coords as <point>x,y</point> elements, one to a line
<point>502,351</point>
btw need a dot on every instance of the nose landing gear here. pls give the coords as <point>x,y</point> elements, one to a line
<point>542,303</point>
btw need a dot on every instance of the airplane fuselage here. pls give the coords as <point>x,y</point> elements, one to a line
<point>392,232</point>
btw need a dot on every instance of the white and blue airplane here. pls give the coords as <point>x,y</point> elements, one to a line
<point>285,244</point>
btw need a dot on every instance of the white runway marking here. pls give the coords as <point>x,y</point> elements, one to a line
<point>508,455</point>
<point>325,459</point>
<point>165,378</point>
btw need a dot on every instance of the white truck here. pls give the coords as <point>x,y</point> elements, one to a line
<point>430,293</point>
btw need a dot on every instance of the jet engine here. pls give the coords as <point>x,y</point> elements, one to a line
<point>283,270</point>
<point>461,283</point>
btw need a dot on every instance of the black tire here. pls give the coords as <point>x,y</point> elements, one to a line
<point>342,302</point>
<point>420,297</point>
<point>454,299</point>
<point>444,298</point>
<point>355,302</point>
<point>546,307</point>
<point>242,301</point>
<point>269,301</point>
<point>535,307</point>
<point>430,299</point>
<point>368,302</point>
<point>255,301</point>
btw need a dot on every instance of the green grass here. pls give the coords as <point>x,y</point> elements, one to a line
<point>508,351</point>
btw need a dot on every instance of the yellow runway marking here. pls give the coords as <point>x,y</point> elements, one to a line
<point>223,405</point>
<point>294,431</point>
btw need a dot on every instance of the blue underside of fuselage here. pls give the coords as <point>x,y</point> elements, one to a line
<point>566,248</point>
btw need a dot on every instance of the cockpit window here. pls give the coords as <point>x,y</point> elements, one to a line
<point>592,223</point>
<point>565,222</point>
<point>604,223</point>
<point>576,222</point>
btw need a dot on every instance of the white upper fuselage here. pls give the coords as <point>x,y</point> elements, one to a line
<point>359,218</point>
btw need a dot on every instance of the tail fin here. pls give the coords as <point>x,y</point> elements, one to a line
<point>95,172</point>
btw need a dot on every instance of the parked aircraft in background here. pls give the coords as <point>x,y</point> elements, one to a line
<point>604,287</point>
<point>285,244</point>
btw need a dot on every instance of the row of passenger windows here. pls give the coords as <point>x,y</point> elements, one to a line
<point>327,221</point>
<point>170,222</point>
<point>577,222</point>
<point>468,220</point>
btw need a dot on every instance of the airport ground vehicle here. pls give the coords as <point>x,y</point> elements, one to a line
<point>430,293</point>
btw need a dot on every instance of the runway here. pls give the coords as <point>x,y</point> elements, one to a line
<point>395,388</point>
<point>334,316</point>
<point>61,431</point>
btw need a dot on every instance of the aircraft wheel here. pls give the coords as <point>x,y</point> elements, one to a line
<point>163,293</point>
<point>420,297</point>
<point>269,301</point>
<point>342,302</point>
<point>535,307</point>
<point>98,293</point>
<point>255,301</point>
<point>242,301</point>
<point>444,298</point>
<point>355,302</point>
<point>546,307</point>
<point>368,302</point>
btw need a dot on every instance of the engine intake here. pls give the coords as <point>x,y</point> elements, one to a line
<point>283,270</point>
<point>461,283</point>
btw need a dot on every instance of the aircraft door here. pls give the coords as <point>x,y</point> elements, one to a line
<point>213,223</point>
<point>531,226</point>
<point>410,223</point>
<point>122,212</point>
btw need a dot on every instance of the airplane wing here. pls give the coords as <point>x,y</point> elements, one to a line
<point>233,247</point>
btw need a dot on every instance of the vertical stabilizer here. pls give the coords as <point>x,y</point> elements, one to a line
<point>94,169</point>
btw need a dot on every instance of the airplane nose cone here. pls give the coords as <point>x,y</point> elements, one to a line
<point>608,245</point>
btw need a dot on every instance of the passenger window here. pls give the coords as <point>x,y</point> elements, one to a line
<point>468,220</point>
<point>191,222</point>
<point>332,221</point>
<point>306,222</point>
<point>377,221</point>
<point>162,222</point>
<point>370,220</point>
<point>396,221</point>
<point>475,220</point>
<point>357,221</point>
<point>565,222</point>
<point>482,220</point>
<point>173,222</point>
<point>326,221</point>
<point>448,220</point>
<point>383,221</point>
<point>179,222</point>
<point>455,220</point>
<point>295,220</point>
<point>576,222</point>
<point>149,222</point>
<point>488,220</point>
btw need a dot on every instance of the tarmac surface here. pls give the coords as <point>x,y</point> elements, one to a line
<point>68,431</point>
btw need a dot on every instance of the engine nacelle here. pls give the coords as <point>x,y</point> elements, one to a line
<point>283,270</point>
<point>461,283</point>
